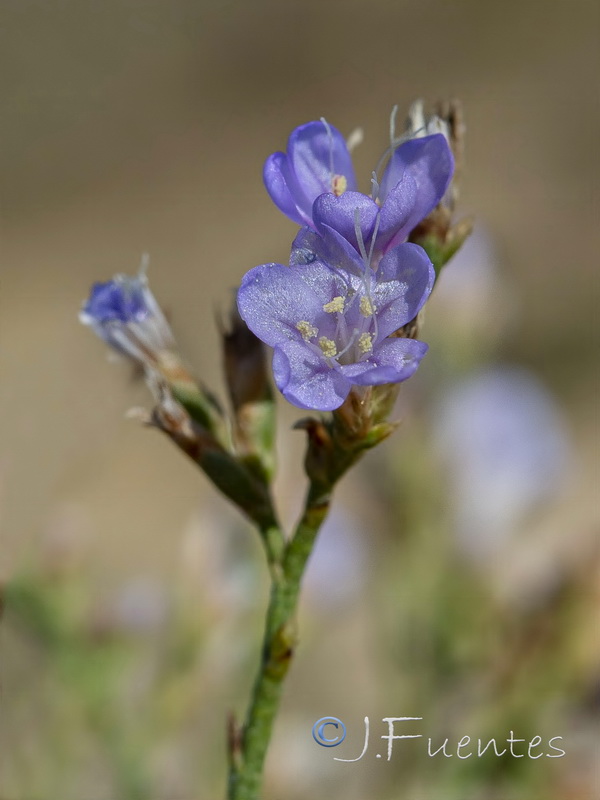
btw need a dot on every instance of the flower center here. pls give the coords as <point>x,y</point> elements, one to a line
<point>355,329</point>
<point>328,346</point>
<point>365,343</point>
<point>367,309</point>
<point>337,304</point>
<point>307,330</point>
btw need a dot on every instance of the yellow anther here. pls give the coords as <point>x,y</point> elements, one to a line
<point>339,184</point>
<point>365,342</point>
<point>367,309</point>
<point>307,330</point>
<point>337,304</point>
<point>328,347</point>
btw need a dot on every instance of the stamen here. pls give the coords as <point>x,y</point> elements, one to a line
<point>354,139</point>
<point>337,304</point>
<point>359,236</point>
<point>374,186</point>
<point>330,137</point>
<point>350,343</point>
<point>395,141</point>
<point>328,347</point>
<point>393,124</point>
<point>363,278</point>
<point>374,237</point>
<point>416,117</point>
<point>339,184</point>
<point>307,330</point>
<point>367,309</point>
<point>365,342</point>
<point>144,264</point>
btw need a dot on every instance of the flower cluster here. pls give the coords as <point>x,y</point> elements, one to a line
<point>353,280</point>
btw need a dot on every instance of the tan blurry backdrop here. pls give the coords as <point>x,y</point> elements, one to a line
<point>134,127</point>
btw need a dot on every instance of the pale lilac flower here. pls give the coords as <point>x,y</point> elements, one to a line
<point>507,449</point>
<point>331,328</point>
<point>124,313</point>
<point>313,183</point>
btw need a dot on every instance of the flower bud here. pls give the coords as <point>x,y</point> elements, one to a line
<point>246,375</point>
<point>436,234</point>
<point>124,313</point>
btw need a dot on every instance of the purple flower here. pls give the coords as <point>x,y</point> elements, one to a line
<point>317,161</point>
<point>313,183</point>
<point>331,328</point>
<point>124,313</point>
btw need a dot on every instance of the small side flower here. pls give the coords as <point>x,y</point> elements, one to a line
<point>125,314</point>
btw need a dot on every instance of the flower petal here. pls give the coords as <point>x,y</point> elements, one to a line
<point>317,153</point>
<point>327,247</point>
<point>272,299</point>
<point>119,299</point>
<point>429,160</point>
<point>397,213</point>
<point>324,281</point>
<point>305,379</point>
<point>405,279</point>
<point>338,252</point>
<point>394,360</point>
<point>282,189</point>
<point>342,213</point>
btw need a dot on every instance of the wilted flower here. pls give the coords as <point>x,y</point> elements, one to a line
<point>332,328</point>
<point>244,360</point>
<point>124,313</point>
<point>313,183</point>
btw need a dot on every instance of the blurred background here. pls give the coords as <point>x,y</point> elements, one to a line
<point>457,579</point>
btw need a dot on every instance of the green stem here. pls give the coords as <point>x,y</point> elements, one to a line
<point>248,749</point>
<point>333,448</point>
